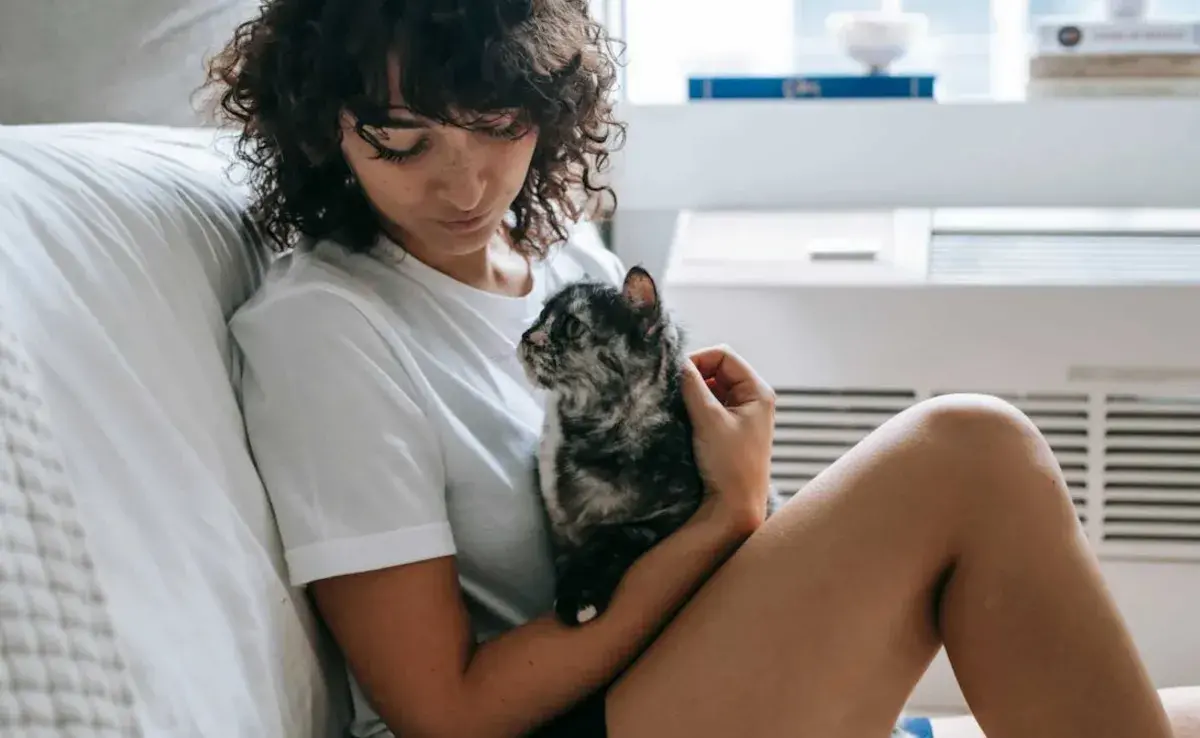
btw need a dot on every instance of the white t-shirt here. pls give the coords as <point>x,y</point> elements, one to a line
<point>392,423</point>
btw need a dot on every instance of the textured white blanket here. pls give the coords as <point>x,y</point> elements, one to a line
<point>61,673</point>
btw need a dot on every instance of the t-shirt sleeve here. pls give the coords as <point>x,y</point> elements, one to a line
<point>350,461</point>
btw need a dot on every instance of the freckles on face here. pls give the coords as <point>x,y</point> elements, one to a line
<point>442,185</point>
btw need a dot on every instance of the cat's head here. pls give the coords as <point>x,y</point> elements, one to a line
<point>590,335</point>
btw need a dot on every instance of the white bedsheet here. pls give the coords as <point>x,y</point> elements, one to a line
<point>60,668</point>
<point>122,252</point>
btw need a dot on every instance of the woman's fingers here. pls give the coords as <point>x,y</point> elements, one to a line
<point>729,377</point>
<point>698,392</point>
<point>710,361</point>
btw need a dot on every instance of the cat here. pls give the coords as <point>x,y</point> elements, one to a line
<point>615,465</point>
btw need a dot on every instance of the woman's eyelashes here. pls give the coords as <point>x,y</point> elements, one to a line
<point>510,127</point>
<point>506,130</point>
<point>508,124</point>
<point>378,137</point>
<point>401,155</point>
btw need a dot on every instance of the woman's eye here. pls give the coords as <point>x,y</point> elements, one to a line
<point>398,156</point>
<point>508,133</point>
<point>395,144</point>
<point>507,126</point>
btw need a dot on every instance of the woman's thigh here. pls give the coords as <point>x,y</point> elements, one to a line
<point>824,620</point>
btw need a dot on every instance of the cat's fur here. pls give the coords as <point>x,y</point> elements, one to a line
<point>615,466</point>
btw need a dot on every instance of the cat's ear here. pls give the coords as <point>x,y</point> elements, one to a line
<point>640,290</point>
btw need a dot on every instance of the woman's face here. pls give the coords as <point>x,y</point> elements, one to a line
<point>441,189</point>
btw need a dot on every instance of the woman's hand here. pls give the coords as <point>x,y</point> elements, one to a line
<point>733,418</point>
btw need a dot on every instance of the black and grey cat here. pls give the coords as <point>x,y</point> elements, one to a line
<point>615,466</point>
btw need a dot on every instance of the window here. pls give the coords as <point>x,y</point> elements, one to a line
<point>978,48</point>
<point>957,47</point>
<point>672,39</point>
<point>801,156</point>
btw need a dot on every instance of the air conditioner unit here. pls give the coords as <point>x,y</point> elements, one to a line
<point>1087,320</point>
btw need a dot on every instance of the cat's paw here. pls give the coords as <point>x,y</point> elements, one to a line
<point>579,607</point>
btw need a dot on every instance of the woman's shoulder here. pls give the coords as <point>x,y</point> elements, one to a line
<point>315,266</point>
<point>313,285</point>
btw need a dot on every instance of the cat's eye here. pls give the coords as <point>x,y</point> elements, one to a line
<point>574,328</point>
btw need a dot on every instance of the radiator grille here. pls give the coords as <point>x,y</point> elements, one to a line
<point>1133,461</point>
<point>1152,469</point>
<point>813,427</point>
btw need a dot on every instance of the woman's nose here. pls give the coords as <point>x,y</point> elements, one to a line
<point>464,192</point>
<point>463,183</point>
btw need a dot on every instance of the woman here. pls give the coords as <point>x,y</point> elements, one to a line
<point>429,157</point>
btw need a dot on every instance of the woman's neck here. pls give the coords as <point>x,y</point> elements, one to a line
<point>496,267</point>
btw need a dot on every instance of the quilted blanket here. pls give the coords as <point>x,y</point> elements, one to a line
<point>61,672</point>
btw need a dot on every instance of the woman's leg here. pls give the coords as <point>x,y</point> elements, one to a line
<point>950,524</point>
<point>1181,703</point>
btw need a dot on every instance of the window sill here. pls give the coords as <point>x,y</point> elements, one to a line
<point>834,154</point>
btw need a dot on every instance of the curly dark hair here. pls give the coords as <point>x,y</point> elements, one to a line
<point>289,74</point>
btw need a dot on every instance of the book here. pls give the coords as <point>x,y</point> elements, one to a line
<point>811,87</point>
<point>1116,37</point>
<point>1084,66</point>
<point>1143,87</point>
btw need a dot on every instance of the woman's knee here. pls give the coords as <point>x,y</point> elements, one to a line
<point>976,422</point>
<point>990,447</point>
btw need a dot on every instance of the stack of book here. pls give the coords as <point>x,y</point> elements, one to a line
<point>1115,58</point>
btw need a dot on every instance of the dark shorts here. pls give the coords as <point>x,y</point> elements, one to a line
<point>585,720</point>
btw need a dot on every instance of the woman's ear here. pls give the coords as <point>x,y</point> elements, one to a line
<point>640,290</point>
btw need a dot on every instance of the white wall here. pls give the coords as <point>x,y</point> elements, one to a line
<point>132,61</point>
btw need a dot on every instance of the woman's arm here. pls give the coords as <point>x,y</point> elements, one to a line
<point>406,635</point>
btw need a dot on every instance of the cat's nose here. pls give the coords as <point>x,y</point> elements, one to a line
<point>537,338</point>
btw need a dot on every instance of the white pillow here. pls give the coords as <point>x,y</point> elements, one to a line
<point>134,61</point>
<point>122,252</point>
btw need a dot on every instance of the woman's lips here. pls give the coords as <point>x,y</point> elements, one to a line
<point>467,225</point>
